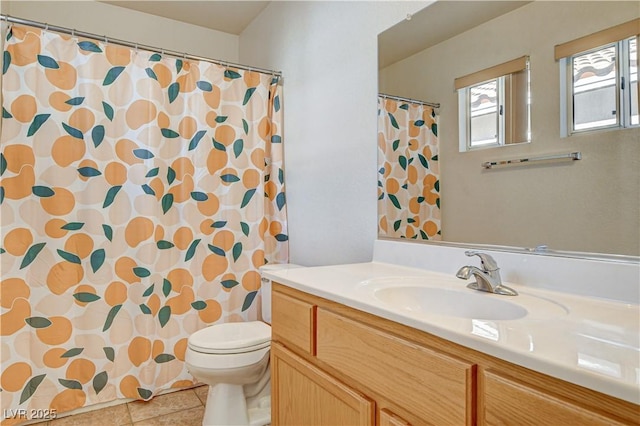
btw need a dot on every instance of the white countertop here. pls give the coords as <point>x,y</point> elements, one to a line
<point>591,342</point>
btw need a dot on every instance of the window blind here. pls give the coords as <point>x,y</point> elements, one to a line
<point>496,71</point>
<point>610,35</point>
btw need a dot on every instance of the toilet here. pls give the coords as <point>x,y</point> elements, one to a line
<point>233,360</point>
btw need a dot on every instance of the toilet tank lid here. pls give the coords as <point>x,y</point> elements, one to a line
<point>278,267</point>
<point>231,336</point>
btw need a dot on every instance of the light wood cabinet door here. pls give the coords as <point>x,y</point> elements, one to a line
<point>507,401</point>
<point>303,395</point>
<point>436,388</point>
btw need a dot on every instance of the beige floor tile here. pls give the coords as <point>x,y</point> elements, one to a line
<point>202,392</point>
<point>190,417</point>
<point>117,415</point>
<point>163,404</point>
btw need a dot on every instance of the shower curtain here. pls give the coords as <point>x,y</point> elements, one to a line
<point>408,171</point>
<point>139,195</point>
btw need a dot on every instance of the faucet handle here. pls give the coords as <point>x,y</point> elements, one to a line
<point>488,262</point>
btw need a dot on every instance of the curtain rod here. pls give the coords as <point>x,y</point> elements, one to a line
<point>414,101</point>
<point>125,43</point>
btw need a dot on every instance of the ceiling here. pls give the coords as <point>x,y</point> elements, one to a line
<point>437,22</point>
<point>432,25</point>
<point>227,16</point>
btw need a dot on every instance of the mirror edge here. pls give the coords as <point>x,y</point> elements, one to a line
<point>604,257</point>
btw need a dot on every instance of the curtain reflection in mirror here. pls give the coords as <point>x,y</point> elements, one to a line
<point>408,170</point>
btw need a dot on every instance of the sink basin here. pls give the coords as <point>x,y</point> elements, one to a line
<point>447,296</point>
<point>476,305</point>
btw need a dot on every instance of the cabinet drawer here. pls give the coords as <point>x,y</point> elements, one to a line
<point>437,388</point>
<point>507,401</point>
<point>292,322</point>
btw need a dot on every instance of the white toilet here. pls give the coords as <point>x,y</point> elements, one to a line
<point>233,359</point>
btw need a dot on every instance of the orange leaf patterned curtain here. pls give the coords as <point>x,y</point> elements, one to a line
<point>408,171</point>
<point>139,195</point>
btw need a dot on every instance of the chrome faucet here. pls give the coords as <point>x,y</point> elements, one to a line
<point>488,278</point>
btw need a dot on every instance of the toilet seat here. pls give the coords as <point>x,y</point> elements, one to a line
<point>231,338</point>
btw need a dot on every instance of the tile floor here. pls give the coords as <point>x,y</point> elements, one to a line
<point>182,408</point>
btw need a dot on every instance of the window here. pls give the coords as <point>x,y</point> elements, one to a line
<point>493,106</point>
<point>484,111</point>
<point>599,80</point>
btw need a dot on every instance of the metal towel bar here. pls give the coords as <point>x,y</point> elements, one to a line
<point>569,156</point>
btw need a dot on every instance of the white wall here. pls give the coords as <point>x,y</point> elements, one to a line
<point>328,54</point>
<point>119,23</point>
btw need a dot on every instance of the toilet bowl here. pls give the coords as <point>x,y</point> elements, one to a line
<point>233,360</point>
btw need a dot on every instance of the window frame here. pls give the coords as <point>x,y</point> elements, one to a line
<point>619,37</point>
<point>464,99</point>
<point>503,74</point>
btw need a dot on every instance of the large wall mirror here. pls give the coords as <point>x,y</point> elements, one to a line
<point>588,206</point>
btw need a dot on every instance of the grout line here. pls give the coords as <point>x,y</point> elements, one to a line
<point>168,396</point>
<point>151,419</point>
<point>196,394</point>
<point>129,414</point>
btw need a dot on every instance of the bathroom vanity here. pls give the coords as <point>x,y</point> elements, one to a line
<point>346,350</point>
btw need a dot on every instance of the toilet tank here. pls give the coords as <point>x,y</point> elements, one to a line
<point>266,288</point>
